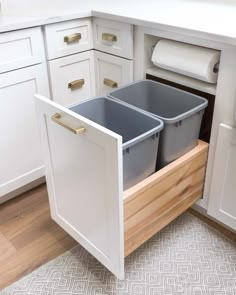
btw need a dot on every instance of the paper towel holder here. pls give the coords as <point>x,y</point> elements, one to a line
<point>215,68</point>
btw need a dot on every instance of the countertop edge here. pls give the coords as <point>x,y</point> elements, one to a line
<point>28,22</point>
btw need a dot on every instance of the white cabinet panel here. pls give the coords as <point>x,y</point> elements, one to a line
<point>20,49</point>
<point>72,78</point>
<point>20,152</point>
<point>222,202</point>
<point>111,71</point>
<point>113,37</point>
<point>69,37</point>
<point>84,178</point>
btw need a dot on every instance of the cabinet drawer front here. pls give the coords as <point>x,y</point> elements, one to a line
<point>20,49</point>
<point>159,199</point>
<point>72,78</point>
<point>84,179</point>
<point>68,37</point>
<point>111,71</point>
<point>113,37</point>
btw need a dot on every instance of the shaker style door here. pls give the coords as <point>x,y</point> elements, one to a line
<point>84,176</point>
<point>222,202</point>
<point>20,154</point>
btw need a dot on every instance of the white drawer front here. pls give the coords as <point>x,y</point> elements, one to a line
<point>21,48</point>
<point>68,37</point>
<point>113,37</point>
<point>78,70</point>
<point>85,200</point>
<point>111,72</point>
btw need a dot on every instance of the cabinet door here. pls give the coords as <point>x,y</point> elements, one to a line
<point>111,72</point>
<point>20,154</point>
<point>72,78</point>
<point>84,178</point>
<point>222,202</point>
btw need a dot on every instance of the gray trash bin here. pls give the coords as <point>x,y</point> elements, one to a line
<point>181,112</point>
<point>140,134</point>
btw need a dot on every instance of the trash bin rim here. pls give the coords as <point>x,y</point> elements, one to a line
<point>135,140</point>
<point>164,119</point>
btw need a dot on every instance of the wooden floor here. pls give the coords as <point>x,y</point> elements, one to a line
<point>29,237</point>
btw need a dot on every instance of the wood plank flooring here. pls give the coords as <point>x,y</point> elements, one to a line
<point>28,236</point>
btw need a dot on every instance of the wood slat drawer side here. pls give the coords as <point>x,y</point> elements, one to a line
<point>156,201</point>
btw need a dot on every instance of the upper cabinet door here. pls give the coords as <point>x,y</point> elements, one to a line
<point>222,202</point>
<point>84,178</point>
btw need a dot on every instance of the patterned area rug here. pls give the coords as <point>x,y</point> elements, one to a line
<point>186,257</point>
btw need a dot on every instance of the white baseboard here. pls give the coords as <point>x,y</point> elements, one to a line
<point>22,189</point>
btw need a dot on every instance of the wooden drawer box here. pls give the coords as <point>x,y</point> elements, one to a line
<point>69,37</point>
<point>113,37</point>
<point>20,49</point>
<point>85,185</point>
<point>153,203</point>
<point>72,78</point>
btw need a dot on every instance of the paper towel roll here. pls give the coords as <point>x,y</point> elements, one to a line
<point>189,60</point>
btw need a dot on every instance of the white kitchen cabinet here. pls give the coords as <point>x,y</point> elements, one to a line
<point>111,72</point>
<point>84,172</point>
<point>72,78</point>
<point>21,49</point>
<point>69,37</point>
<point>113,37</point>
<point>222,200</point>
<point>20,152</point>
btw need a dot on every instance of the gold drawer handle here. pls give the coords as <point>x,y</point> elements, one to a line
<point>76,130</point>
<point>109,37</point>
<point>72,38</point>
<point>110,83</point>
<point>76,84</point>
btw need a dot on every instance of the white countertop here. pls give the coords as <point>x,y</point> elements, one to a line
<point>208,19</point>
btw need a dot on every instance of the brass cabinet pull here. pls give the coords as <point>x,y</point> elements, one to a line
<point>76,130</point>
<point>110,83</point>
<point>72,38</point>
<point>76,84</point>
<point>109,37</point>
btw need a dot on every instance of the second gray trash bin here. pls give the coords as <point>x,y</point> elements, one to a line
<point>181,112</point>
<point>140,134</point>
